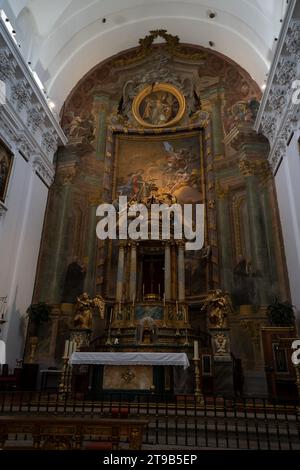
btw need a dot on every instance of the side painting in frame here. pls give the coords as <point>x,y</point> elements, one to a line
<point>6,161</point>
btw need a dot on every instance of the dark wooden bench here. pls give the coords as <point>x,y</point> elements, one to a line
<point>65,433</point>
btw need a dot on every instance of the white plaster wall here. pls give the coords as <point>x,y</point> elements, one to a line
<point>20,235</point>
<point>288,194</point>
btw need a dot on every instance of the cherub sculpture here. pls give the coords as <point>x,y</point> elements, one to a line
<point>84,311</point>
<point>218,306</point>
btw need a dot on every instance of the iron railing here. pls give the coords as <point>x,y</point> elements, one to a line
<point>176,422</point>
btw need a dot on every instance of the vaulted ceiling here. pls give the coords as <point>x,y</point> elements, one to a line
<point>64,39</point>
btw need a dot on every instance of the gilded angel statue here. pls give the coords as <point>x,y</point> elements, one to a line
<point>218,306</point>
<point>84,310</point>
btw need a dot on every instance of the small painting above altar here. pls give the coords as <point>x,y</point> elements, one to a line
<point>153,311</point>
<point>158,105</point>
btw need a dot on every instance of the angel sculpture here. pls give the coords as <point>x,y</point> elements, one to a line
<point>218,306</point>
<point>84,311</point>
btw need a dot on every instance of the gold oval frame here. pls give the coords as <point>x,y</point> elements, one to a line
<point>154,88</point>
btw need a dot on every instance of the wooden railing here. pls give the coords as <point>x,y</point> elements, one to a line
<point>61,433</point>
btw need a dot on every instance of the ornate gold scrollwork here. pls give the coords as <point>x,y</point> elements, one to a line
<point>159,105</point>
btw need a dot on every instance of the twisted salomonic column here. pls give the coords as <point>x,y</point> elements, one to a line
<point>181,271</point>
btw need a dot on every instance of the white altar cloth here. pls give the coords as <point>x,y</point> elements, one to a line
<point>128,358</point>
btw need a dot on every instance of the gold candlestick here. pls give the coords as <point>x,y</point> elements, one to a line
<point>65,381</point>
<point>198,391</point>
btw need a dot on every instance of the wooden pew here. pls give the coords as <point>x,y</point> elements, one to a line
<point>68,433</point>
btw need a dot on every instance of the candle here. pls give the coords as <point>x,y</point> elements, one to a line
<point>177,307</point>
<point>111,314</point>
<point>143,291</point>
<point>196,350</point>
<point>70,350</point>
<point>66,348</point>
<point>185,315</point>
<point>159,290</point>
<point>164,299</point>
<point>133,300</point>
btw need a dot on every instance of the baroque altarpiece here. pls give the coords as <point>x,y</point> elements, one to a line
<point>165,123</point>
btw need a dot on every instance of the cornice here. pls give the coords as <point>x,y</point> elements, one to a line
<point>28,79</point>
<point>277,116</point>
<point>26,122</point>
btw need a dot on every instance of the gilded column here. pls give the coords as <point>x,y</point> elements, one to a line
<point>181,272</point>
<point>132,277</point>
<point>167,272</point>
<point>225,236</point>
<point>120,272</point>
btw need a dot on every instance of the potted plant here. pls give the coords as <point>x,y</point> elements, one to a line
<point>281,313</point>
<point>37,314</point>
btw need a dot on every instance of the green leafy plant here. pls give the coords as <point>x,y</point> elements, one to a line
<point>38,313</point>
<point>281,313</point>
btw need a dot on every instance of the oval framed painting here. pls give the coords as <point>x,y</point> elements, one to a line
<point>158,105</point>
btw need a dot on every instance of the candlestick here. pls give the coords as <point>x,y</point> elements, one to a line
<point>198,391</point>
<point>196,350</point>
<point>70,349</point>
<point>73,348</point>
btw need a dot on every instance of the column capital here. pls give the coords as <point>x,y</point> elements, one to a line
<point>222,191</point>
<point>260,168</point>
<point>180,244</point>
<point>95,197</point>
<point>66,173</point>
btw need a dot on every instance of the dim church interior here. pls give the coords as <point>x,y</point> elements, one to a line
<point>162,102</point>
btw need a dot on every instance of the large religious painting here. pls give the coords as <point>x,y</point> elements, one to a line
<point>172,163</point>
<point>159,105</point>
<point>6,160</point>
